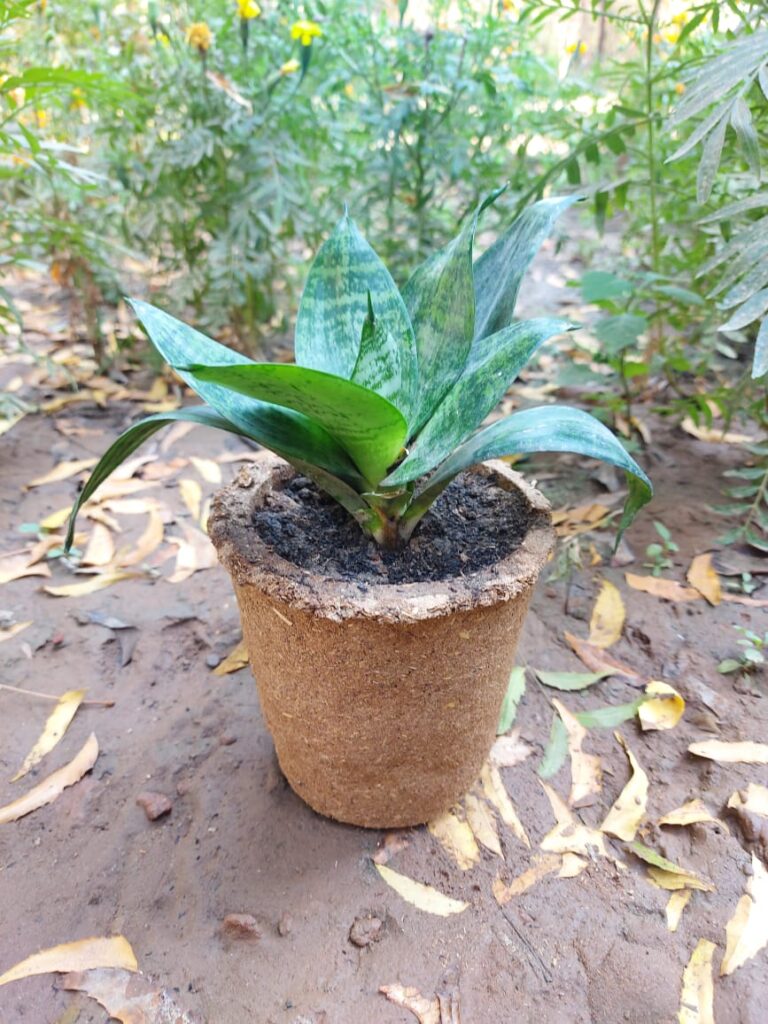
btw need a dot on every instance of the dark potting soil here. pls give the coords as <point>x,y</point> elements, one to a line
<point>472,524</point>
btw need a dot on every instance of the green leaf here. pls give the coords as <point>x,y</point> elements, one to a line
<point>380,364</point>
<point>611,716</point>
<point>334,305</point>
<point>556,749</point>
<point>493,364</point>
<point>599,285</point>
<point>744,126</point>
<point>760,361</point>
<point>545,429</point>
<point>570,680</point>
<point>711,153</point>
<point>130,440</point>
<point>287,433</point>
<point>751,310</point>
<point>369,427</point>
<point>440,300</point>
<point>499,271</point>
<point>513,696</point>
<point>620,332</point>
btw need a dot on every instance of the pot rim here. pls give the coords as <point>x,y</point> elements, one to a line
<point>251,562</point>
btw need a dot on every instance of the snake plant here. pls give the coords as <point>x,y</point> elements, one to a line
<point>385,403</point>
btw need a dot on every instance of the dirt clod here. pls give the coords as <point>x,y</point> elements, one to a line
<point>285,924</point>
<point>366,928</point>
<point>154,805</point>
<point>240,926</point>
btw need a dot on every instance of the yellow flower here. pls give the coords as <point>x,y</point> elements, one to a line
<point>78,99</point>
<point>248,9</point>
<point>42,118</point>
<point>199,35</point>
<point>290,67</point>
<point>672,34</point>
<point>582,48</point>
<point>681,18</point>
<point>679,88</point>
<point>306,31</point>
<point>163,39</point>
<point>573,47</point>
<point>349,90</point>
<point>656,38</point>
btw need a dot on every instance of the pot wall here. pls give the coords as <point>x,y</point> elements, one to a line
<point>379,719</point>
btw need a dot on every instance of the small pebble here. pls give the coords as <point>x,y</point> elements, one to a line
<point>227,739</point>
<point>365,930</point>
<point>155,805</point>
<point>212,660</point>
<point>241,926</point>
<point>285,924</point>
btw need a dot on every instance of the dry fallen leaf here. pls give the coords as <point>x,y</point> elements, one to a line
<point>665,873</point>
<point>753,800</point>
<point>569,834</point>
<point>456,838</point>
<point>55,727</point>
<point>82,955</point>
<point>624,817</point>
<point>598,660</point>
<point>45,792</point>
<point>744,752</point>
<point>510,750</point>
<point>234,661</point>
<point>62,471</point>
<point>209,470</point>
<point>702,576</point>
<point>543,864</point>
<point>100,549</point>
<point>56,519</point>
<point>712,435</point>
<point>423,897</point>
<point>195,552</point>
<point>663,710</point>
<point>698,995</point>
<point>90,586</point>
<point>496,793</point>
<point>426,1011</point>
<point>747,931</point>
<point>151,538</point>
<point>586,771</point>
<point>668,590</point>
<point>481,821</point>
<point>573,865</point>
<point>608,615</point>
<point>569,522</point>
<point>129,998</point>
<point>17,565</point>
<point>691,813</point>
<point>11,631</point>
<point>676,904</point>
<point>191,495</point>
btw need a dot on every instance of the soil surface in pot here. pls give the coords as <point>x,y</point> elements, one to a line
<point>472,525</point>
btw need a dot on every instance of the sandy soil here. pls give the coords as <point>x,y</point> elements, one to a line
<point>594,948</point>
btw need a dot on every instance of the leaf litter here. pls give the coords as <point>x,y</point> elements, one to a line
<point>421,896</point>
<point>50,788</point>
<point>457,839</point>
<point>629,808</point>
<point>82,955</point>
<point>698,994</point>
<point>586,770</point>
<point>496,793</point>
<point>740,752</point>
<point>747,931</point>
<point>665,873</point>
<point>55,727</point>
<point>127,997</point>
<point>482,823</point>
<point>663,708</point>
<point>608,616</point>
<point>702,577</point>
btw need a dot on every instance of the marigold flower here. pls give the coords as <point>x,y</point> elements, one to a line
<point>679,88</point>
<point>199,35</point>
<point>681,18</point>
<point>305,31</point>
<point>672,34</point>
<point>248,9</point>
<point>42,118</point>
<point>573,47</point>
<point>290,67</point>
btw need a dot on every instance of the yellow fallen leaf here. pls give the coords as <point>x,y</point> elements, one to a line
<point>426,1011</point>
<point>676,904</point>
<point>702,576</point>
<point>665,873</point>
<point>608,616</point>
<point>569,834</point>
<point>423,897</point>
<point>624,817</point>
<point>747,931</point>
<point>598,660</point>
<point>10,421</point>
<point>62,471</point>
<point>496,793</point>
<point>83,955</point>
<point>55,727</point>
<point>56,404</point>
<point>586,771</point>
<point>11,631</point>
<point>569,522</point>
<point>17,566</point>
<point>750,602</point>
<point>668,590</point>
<point>100,549</point>
<point>191,495</point>
<point>126,997</point>
<point>573,865</point>
<point>744,752</point>
<point>543,865</point>
<point>151,538</point>
<point>510,750</point>
<point>753,800</point>
<point>235,660</point>
<point>90,586</point>
<point>209,470</point>
<point>691,813</point>
<point>663,710</point>
<point>456,838</point>
<point>45,792</point>
<point>698,995</point>
<point>195,552</point>
<point>712,435</point>
<point>481,821</point>
<point>56,519</point>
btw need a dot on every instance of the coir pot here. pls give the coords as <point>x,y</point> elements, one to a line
<point>382,702</point>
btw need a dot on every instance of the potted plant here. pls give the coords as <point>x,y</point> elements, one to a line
<point>382,566</point>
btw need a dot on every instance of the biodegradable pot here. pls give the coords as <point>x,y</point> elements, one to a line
<point>382,702</point>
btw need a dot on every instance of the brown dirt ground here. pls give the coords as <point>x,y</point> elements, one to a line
<point>569,951</point>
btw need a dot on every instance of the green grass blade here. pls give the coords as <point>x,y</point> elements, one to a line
<point>546,429</point>
<point>287,433</point>
<point>499,271</point>
<point>368,427</point>
<point>334,305</point>
<point>493,364</point>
